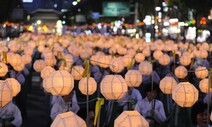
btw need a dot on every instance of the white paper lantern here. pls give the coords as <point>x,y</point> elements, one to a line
<point>48,70</point>
<point>201,72</point>
<point>6,93</point>
<point>3,69</point>
<point>130,119</point>
<point>113,87</point>
<point>185,94</point>
<point>204,86</point>
<point>116,65</point>
<point>39,65</point>
<point>15,85</point>
<point>139,57</point>
<point>157,54</point>
<point>164,60</point>
<point>185,60</point>
<point>91,83</point>
<point>59,83</point>
<point>26,59</point>
<point>167,84</point>
<point>133,78</point>
<point>77,71</point>
<point>145,68</point>
<point>68,119</point>
<point>181,72</point>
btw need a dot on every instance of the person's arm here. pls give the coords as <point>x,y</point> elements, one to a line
<point>159,114</point>
<point>17,117</point>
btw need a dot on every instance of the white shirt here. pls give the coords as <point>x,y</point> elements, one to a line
<point>135,95</point>
<point>59,106</point>
<point>11,110</point>
<point>144,107</point>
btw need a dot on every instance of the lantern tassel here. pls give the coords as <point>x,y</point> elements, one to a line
<point>130,65</point>
<point>99,103</point>
<point>87,69</point>
<point>4,57</point>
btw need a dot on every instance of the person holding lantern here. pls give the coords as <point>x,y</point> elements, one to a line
<point>10,116</point>
<point>130,99</point>
<point>199,115</point>
<point>64,104</point>
<point>150,107</point>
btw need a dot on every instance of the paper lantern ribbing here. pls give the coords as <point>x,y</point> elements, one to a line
<point>50,61</point>
<point>139,57</point>
<point>145,68</point>
<point>164,60</point>
<point>92,86</point>
<point>16,60</point>
<point>185,94</point>
<point>204,86</point>
<point>104,61</point>
<point>3,69</point>
<point>167,84</point>
<point>201,72</point>
<point>127,59</point>
<point>181,72</point>
<point>130,119</point>
<point>113,87</point>
<point>45,72</point>
<point>77,71</point>
<point>116,65</point>
<point>6,93</point>
<point>39,65</point>
<point>133,78</point>
<point>59,83</point>
<point>68,119</point>
<point>15,85</point>
<point>26,59</point>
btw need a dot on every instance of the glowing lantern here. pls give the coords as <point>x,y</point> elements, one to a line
<point>167,84</point>
<point>157,54</point>
<point>127,59</point>
<point>204,86</point>
<point>130,119</point>
<point>181,72</point>
<point>113,87</point>
<point>68,119</point>
<point>3,69</point>
<point>201,72</point>
<point>202,54</point>
<point>122,51</point>
<point>185,60</point>
<point>164,60</point>
<point>6,93</point>
<point>20,67</point>
<point>91,83</point>
<point>16,60</point>
<point>133,78</point>
<point>84,55</point>
<point>185,94</point>
<point>139,57</point>
<point>145,68</point>
<point>104,61</point>
<point>116,65</point>
<point>26,59</point>
<point>39,65</point>
<point>50,61</point>
<point>45,72</point>
<point>77,71</point>
<point>14,84</point>
<point>59,83</point>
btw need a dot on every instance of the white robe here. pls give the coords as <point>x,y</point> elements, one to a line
<point>59,106</point>
<point>9,111</point>
<point>144,107</point>
<point>135,95</point>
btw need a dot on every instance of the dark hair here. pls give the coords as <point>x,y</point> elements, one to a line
<point>197,108</point>
<point>152,87</point>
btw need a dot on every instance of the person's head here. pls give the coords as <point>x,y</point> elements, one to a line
<point>199,114</point>
<point>151,91</point>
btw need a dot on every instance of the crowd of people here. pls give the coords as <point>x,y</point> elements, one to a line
<point>156,107</point>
